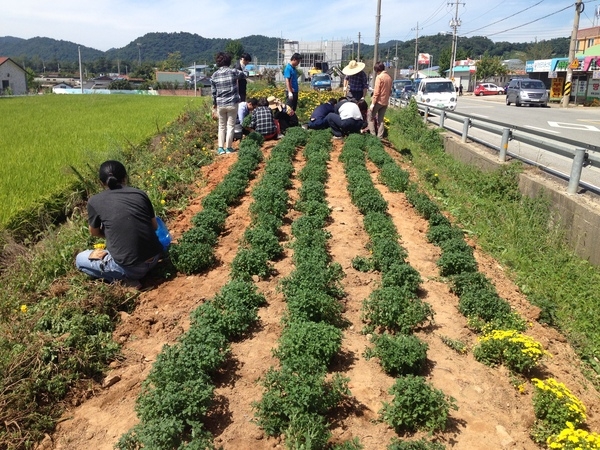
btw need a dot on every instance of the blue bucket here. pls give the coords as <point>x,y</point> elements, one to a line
<point>163,233</point>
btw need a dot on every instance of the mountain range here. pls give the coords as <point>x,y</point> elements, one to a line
<point>43,53</point>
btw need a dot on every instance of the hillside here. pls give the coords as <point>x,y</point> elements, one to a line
<point>42,52</point>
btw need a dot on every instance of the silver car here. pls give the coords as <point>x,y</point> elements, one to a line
<point>522,91</point>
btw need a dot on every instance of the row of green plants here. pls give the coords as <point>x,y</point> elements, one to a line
<point>558,412</point>
<point>299,394</point>
<point>55,323</point>
<point>178,393</point>
<point>194,250</point>
<point>394,310</point>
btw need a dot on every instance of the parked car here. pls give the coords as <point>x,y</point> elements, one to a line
<point>438,92</point>
<point>321,82</point>
<point>488,89</point>
<point>526,91</point>
<point>407,92</point>
<point>398,86</point>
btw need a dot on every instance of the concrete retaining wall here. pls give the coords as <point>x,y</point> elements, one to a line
<point>579,213</point>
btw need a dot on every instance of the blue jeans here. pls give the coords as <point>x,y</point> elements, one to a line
<point>341,127</point>
<point>318,124</point>
<point>107,269</point>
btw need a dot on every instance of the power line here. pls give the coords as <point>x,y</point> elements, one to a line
<point>506,18</point>
<point>529,23</point>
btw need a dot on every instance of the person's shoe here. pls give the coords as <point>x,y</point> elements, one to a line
<point>135,284</point>
<point>304,126</point>
<point>280,136</point>
<point>337,138</point>
<point>220,151</point>
<point>229,150</point>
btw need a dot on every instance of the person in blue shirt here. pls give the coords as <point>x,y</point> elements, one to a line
<point>318,118</point>
<point>290,74</point>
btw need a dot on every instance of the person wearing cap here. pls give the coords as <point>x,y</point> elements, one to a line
<point>379,100</point>
<point>356,81</point>
<point>290,74</point>
<point>285,117</point>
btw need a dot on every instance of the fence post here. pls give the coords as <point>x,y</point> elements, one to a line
<point>465,132</point>
<point>504,144</point>
<point>426,114</point>
<point>442,117</point>
<point>576,168</point>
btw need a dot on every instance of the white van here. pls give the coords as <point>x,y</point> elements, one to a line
<point>438,92</point>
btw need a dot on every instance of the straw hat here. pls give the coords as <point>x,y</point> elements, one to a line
<point>353,68</point>
<point>274,102</point>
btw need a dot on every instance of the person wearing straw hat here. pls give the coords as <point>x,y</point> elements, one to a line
<point>356,81</point>
<point>284,116</point>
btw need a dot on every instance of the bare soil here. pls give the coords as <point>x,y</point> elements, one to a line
<point>492,413</point>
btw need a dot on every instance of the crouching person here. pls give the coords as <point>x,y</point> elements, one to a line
<point>125,217</point>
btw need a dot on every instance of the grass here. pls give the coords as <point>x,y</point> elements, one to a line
<point>521,233</point>
<point>43,136</point>
<point>55,323</point>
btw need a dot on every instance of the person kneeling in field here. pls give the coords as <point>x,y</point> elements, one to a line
<point>262,121</point>
<point>125,217</point>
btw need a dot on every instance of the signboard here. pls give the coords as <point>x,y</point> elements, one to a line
<point>552,74</point>
<point>542,65</point>
<point>596,74</point>
<point>574,64</point>
<point>556,88</point>
<point>593,90</point>
<point>423,58</point>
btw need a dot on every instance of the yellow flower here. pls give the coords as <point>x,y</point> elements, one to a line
<point>23,308</point>
<point>100,245</point>
<point>162,202</point>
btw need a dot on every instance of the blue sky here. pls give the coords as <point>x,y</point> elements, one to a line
<point>111,23</point>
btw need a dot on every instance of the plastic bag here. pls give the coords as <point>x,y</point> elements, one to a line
<point>163,233</point>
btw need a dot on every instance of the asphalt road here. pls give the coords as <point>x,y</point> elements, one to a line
<point>581,124</point>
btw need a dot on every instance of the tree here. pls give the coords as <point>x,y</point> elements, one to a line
<point>539,50</point>
<point>173,63</point>
<point>235,49</point>
<point>489,66</point>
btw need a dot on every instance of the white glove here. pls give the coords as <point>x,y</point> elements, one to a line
<point>372,106</point>
<point>291,95</point>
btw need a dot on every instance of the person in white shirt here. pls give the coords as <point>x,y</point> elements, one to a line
<point>349,118</point>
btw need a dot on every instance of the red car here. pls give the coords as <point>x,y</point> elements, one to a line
<point>488,89</point>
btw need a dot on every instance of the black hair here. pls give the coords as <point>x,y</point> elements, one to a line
<point>362,105</point>
<point>333,101</point>
<point>253,101</point>
<point>263,101</point>
<point>379,67</point>
<point>246,56</point>
<point>223,59</point>
<point>296,57</point>
<point>112,174</point>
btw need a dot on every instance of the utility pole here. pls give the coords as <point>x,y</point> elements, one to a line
<point>376,48</point>
<point>139,46</point>
<point>358,48</point>
<point>416,67</point>
<point>396,62</point>
<point>579,7</point>
<point>80,71</point>
<point>454,24</point>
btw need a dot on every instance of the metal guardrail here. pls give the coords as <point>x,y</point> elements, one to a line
<point>580,153</point>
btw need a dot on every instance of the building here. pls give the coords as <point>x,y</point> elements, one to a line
<point>13,78</point>
<point>314,54</point>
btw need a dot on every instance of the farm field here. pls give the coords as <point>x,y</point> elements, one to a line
<point>492,412</point>
<point>38,146</point>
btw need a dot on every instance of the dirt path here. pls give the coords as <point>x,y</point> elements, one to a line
<point>491,415</point>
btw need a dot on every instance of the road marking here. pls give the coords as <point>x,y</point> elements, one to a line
<point>542,129</point>
<point>573,126</point>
